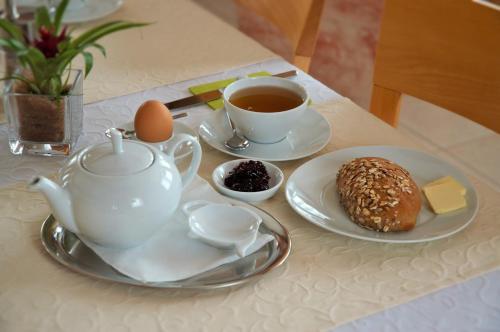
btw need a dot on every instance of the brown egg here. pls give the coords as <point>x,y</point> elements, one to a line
<point>153,122</point>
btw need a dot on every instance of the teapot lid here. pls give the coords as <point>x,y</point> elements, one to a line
<point>117,158</point>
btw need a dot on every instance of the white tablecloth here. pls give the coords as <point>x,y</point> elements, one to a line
<point>116,111</point>
<point>470,306</point>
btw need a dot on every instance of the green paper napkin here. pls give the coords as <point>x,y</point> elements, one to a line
<point>218,103</point>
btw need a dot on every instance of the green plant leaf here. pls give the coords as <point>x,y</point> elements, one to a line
<point>18,45</point>
<point>65,58</point>
<point>89,62</point>
<point>11,29</point>
<point>61,9</point>
<point>62,46</point>
<point>67,77</point>
<point>99,47</point>
<point>13,44</point>
<point>84,36</point>
<point>55,86</point>
<point>70,30</point>
<point>42,18</point>
<point>100,31</point>
<point>31,85</point>
<point>37,63</point>
<point>37,56</point>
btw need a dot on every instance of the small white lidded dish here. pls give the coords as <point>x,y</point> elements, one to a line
<point>222,225</point>
<point>222,171</point>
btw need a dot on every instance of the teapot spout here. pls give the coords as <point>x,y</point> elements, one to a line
<point>58,199</point>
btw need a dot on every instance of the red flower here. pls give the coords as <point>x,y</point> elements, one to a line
<point>47,42</point>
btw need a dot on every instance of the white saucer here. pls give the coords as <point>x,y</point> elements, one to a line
<point>182,151</point>
<point>91,10</point>
<point>312,193</point>
<point>309,136</point>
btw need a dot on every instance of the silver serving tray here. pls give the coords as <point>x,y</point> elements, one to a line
<point>66,248</point>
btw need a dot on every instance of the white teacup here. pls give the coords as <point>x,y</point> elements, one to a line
<point>268,127</point>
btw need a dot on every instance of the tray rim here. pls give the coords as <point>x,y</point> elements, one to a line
<point>278,261</point>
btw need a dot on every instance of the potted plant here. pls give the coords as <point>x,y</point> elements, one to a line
<point>43,98</point>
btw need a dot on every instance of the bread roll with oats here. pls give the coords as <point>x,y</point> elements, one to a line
<point>378,194</point>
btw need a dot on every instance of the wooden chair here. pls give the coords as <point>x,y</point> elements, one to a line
<point>298,20</point>
<point>446,52</point>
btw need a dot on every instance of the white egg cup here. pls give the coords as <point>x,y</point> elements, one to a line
<point>222,225</point>
<point>222,171</point>
<point>183,151</point>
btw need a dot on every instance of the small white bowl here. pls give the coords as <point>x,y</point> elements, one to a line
<point>222,171</point>
<point>222,225</point>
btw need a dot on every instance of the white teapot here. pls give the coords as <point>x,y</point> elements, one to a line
<point>119,194</point>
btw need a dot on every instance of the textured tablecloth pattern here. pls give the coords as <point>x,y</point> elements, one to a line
<point>183,42</point>
<point>329,279</point>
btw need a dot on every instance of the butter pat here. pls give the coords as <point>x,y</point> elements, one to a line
<point>444,197</point>
<point>451,181</point>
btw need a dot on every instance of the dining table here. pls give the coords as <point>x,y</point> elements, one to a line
<point>330,282</point>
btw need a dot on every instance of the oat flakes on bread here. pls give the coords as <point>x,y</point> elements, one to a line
<point>378,194</point>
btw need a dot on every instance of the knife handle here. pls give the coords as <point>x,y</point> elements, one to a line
<point>286,74</point>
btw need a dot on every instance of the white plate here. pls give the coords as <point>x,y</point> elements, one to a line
<point>184,150</point>
<point>309,136</point>
<point>311,192</point>
<point>89,10</point>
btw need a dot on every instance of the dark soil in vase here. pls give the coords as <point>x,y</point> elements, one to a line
<point>41,119</point>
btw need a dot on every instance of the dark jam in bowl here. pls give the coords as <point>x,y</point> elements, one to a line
<point>249,176</point>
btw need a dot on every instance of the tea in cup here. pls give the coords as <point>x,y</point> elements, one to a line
<point>265,109</point>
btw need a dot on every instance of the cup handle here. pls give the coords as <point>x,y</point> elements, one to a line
<point>192,206</point>
<point>192,170</point>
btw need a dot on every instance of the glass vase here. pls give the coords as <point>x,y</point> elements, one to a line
<point>43,124</point>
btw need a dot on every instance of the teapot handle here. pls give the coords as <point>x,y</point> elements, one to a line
<point>192,170</point>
